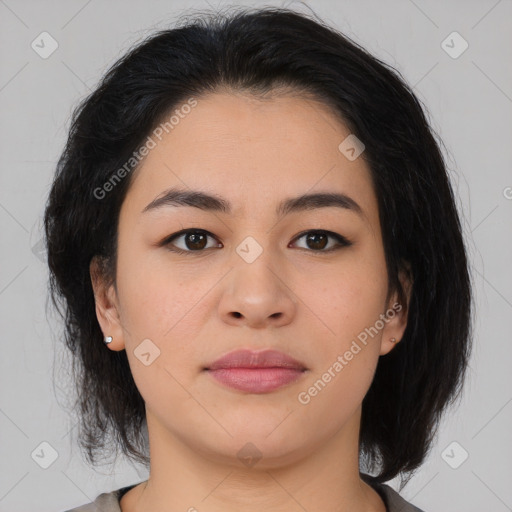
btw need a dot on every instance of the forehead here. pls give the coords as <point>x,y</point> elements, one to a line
<point>252,151</point>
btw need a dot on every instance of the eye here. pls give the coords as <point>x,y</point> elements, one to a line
<point>195,240</point>
<point>317,240</point>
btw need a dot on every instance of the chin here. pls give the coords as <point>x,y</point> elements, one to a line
<point>254,445</point>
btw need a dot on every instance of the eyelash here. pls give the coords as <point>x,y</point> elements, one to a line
<point>342,241</point>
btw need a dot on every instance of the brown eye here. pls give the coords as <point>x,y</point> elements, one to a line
<point>318,240</point>
<point>191,241</point>
<point>196,240</point>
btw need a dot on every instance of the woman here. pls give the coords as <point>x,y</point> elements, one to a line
<point>253,214</point>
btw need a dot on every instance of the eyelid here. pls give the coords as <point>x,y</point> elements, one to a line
<point>167,240</point>
<point>341,240</point>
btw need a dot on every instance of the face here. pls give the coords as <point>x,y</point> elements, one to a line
<point>310,282</point>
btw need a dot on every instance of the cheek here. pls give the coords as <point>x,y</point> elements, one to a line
<point>349,303</point>
<point>336,392</point>
<point>348,297</point>
<point>166,304</point>
<point>156,294</point>
<point>161,314</point>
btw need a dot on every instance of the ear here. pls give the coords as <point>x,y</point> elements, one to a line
<point>396,313</point>
<point>107,305</point>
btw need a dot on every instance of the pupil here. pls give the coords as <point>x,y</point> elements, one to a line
<point>195,238</point>
<point>314,237</point>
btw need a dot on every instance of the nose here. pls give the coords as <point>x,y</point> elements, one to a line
<point>258,296</point>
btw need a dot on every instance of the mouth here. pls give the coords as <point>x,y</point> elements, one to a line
<point>256,372</point>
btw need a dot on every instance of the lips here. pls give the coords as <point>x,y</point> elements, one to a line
<point>250,359</point>
<point>256,372</point>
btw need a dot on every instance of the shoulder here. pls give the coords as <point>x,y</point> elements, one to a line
<point>393,500</point>
<point>106,502</point>
<point>109,502</point>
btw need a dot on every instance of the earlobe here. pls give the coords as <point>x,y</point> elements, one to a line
<point>397,314</point>
<point>106,306</point>
<point>393,332</point>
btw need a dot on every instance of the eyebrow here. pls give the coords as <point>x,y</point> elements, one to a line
<point>204,201</point>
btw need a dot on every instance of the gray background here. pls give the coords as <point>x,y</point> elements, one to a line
<point>470,101</point>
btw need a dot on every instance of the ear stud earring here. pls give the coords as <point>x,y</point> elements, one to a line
<point>107,340</point>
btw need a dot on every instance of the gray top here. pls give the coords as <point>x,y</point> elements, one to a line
<point>109,502</point>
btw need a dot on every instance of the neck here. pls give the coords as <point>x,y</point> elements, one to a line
<point>325,478</point>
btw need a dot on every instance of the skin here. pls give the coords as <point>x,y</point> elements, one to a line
<point>198,306</point>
